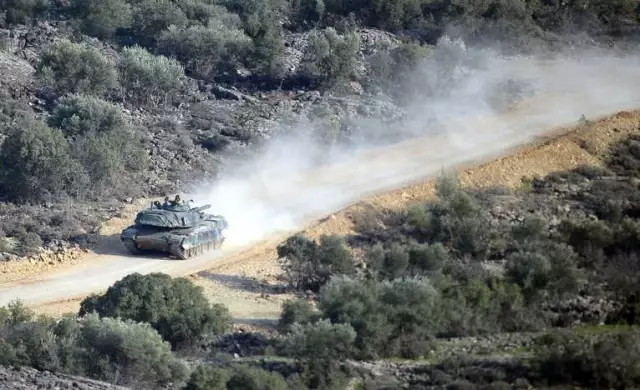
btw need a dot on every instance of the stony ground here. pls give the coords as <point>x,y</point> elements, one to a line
<point>32,379</point>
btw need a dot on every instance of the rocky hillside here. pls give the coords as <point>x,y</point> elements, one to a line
<point>31,379</point>
<point>141,99</point>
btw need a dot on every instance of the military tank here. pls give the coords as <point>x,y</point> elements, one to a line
<point>175,229</point>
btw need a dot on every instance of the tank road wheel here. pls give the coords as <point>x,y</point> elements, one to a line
<point>179,253</point>
<point>132,247</point>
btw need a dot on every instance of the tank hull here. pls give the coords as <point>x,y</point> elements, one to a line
<point>181,243</point>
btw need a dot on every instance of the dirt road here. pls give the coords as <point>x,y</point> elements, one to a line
<point>317,193</point>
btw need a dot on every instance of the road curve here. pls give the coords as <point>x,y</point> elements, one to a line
<point>314,194</point>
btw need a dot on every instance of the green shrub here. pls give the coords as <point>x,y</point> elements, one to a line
<point>320,340</point>
<point>208,378</point>
<point>152,17</point>
<point>35,163</point>
<point>22,11</point>
<point>309,265</point>
<point>12,111</point>
<point>356,303</point>
<point>238,377</point>
<point>424,258</point>
<point>210,49</point>
<point>390,263</point>
<point>75,68</point>
<point>113,347</point>
<point>176,308</point>
<point>411,307</point>
<point>331,56</point>
<point>397,70</point>
<point>124,353</point>
<point>78,115</point>
<point>395,318</point>
<point>262,23</point>
<point>624,159</point>
<point>104,142</point>
<point>251,378</point>
<point>297,311</point>
<point>307,14</point>
<point>476,307</point>
<point>102,18</point>
<point>547,271</point>
<point>149,78</point>
<point>320,347</point>
<point>609,360</point>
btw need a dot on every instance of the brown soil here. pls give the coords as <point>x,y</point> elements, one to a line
<point>232,282</point>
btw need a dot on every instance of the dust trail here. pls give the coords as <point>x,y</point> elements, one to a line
<point>283,188</point>
<point>280,189</point>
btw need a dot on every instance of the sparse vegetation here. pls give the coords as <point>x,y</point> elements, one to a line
<point>131,98</point>
<point>71,67</point>
<point>176,308</point>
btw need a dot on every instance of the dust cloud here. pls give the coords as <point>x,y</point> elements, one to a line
<point>458,114</point>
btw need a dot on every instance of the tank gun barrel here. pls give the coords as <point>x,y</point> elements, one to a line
<point>202,208</point>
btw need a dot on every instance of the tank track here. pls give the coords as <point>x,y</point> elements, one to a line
<point>196,250</point>
<point>132,247</point>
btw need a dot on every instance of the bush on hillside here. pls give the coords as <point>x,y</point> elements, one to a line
<point>206,377</point>
<point>103,142</point>
<point>113,347</point>
<point>148,78</point>
<point>309,265</point>
<point>12,111</point>
<point>123,353</point>
<point>36,164</point>
<point>307,14</point>
<point>22,11</point>
<point>394,318</point>
<point>332,57</point>
<point>207,50</point>
<point>320,348</point>
<point>76,68</point>
<point>297,312</point>
<point>624,159</point>
<point>608,360</point>
<point>152,17</point>
<point>237,377</point>
<point>102,18</point>
<point>251,378</point>
<point>78,115</point>
<point>176,308</point>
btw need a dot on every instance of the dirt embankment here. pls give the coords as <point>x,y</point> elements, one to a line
<point>244,282</point>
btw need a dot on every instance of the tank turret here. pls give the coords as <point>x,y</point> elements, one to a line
<point>175,229</point>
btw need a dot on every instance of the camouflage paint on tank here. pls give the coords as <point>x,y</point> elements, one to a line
<point>180,231</point>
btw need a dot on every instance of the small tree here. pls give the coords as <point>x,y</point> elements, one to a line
<point>206,377</point>
<point>297,312</point>
<point>74,68</point>
<point>250,378</point>
<point>149,78</point>
<point>152,17</point>
<point>310,265</point>
<point>35,162</point>
<point>104,142</point>
<point>78,115</point>
<point>175,307</point>
<point>207,49</point>
<point>102,18</point>
<point>134,351</point>
<point>22,11</point>
<point>320,347</point>
<point>331,56</point>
